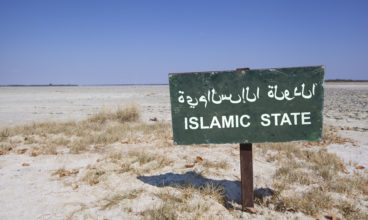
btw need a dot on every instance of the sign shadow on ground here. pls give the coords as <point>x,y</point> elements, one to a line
<point>232,187</point>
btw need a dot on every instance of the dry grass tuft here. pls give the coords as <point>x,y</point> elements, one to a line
<point>153,161</point>
<point>165,211</point>
<point>216,165</point>
<point>48,149</point>
<point>4,134</point>
<point>143,157</point>
<point>185,203</point>
<point>137,162</point>
<point>58,172</point>
<point>311,202</point>
<point>352,185</point>
<point>290,175</point>
<point>159,131</point>
<point>350,211</point>
<point>321,174</point>
<point>6,147</point>
<point>103,128</point>
<point>93,176</point>
<point>62,172</point>
<point>116,199</point>
<point>288,150</point>
<point>214,191</point>
<point>122,115</point>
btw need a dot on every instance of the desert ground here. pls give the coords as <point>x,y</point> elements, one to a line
<point>106,152</point>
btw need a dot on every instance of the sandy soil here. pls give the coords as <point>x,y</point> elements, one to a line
<point>33,192</point>
<point>346,105</point>
<point>21,105</point>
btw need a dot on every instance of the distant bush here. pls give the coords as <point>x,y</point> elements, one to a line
<point>130,113</point>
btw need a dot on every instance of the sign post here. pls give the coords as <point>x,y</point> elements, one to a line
<point>246,172</point>
<point>247,106</point>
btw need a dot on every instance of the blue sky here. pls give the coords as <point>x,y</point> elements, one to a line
<point>104,42</point>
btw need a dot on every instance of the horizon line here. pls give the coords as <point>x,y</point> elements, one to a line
<point>143,84</point>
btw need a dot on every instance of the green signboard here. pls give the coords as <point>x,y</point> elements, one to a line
<point>247,106</point>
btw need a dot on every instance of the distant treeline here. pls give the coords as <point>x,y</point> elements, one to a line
<point>43,85</point>
<point>344,80</point>
<point>141,84</point>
